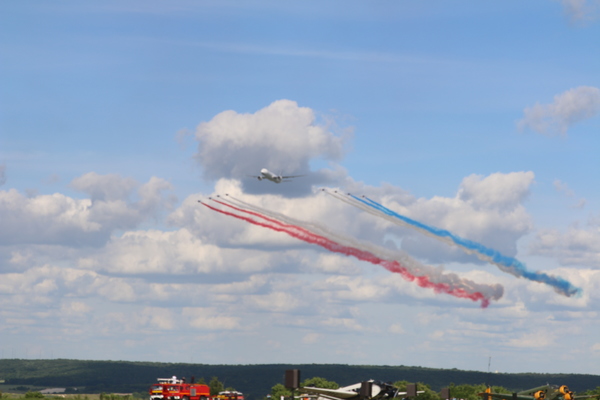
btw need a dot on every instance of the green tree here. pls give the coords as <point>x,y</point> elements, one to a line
<point>319,383</point>
<point>471,392</point>
<point>593,392</point>
<point>215,386</point>
<point>497,389</point>
<point>464,391</point>
<point>279,390</point>
<point>428,395</point>
<point>34,395</point>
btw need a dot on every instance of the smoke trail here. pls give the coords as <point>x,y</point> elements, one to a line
<point>507,264</point>
<point>491,291</point>
<point>454,286</point>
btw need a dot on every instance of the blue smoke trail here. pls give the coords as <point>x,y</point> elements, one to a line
<point>508,264</point>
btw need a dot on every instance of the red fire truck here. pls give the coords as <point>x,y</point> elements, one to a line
<point>178,389</point>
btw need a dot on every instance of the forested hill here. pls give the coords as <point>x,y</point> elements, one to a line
<point>255,381</point>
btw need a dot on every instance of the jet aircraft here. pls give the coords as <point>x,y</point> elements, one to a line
<point>266,174</point>
<point>546,392</point>
<point>378,390</point>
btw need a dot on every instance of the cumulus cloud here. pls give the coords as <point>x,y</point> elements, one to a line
<point>173,253</point>
<point>574,247</point>
<point>496,191</point>
<point>212,274</point>
<point>59,219</point>
<point>568,108</point>
<point>581,10</point>
<point>210,319</point>
<point>109,187</point>
<point>281,137</point>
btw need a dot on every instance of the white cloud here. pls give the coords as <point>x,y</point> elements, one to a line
<point>175,252</point>
<point>75,308</point>
<point>488,210</point>
<point>274,302</point>
<point>104,187</point>
<point>538,339</point>
<point>45,219</point>
<point>344,324</point>
<point>356,289</point>
<point>161,318</point>
<point>210,319</point>
<point>574,247</point>
<point>562,187</point>
<point>59,219</point>
<point>331,264</point>
<point>282,137</point>
<point>496,191</point>
<point>311,338</point>
<point>2,174</point>
<point>581,10</point>
<point>396,328</point>
<point>568,108</point>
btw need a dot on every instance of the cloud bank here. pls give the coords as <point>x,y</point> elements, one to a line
<point>57,219</point>
<point>123,262</point>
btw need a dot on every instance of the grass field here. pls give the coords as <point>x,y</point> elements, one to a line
<point>32,393</point>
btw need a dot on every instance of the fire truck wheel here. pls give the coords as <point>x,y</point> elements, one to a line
<point>185,398</point>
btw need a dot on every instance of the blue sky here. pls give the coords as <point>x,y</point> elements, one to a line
<point>116,117</point>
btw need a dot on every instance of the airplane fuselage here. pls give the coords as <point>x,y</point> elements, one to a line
<point>266,174</point>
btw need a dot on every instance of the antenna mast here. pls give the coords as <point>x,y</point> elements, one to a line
<point>489,376</point>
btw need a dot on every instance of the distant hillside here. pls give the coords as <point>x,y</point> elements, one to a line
<point>255,380</point>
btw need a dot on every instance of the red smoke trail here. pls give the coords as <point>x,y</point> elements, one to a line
<point>390,265</point>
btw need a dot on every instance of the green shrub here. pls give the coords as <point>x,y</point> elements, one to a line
<point>34,395</point>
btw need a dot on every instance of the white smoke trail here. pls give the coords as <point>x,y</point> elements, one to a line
<point>506,264</point>
<point>436,274</point>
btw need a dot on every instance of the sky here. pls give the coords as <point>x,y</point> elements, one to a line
<point>472,125</point>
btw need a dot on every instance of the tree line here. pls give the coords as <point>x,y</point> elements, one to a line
<point>255,381</point>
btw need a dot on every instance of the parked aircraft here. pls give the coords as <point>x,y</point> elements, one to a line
<point>370,389</point>
<point>546,392</point>
<point>266,174</point>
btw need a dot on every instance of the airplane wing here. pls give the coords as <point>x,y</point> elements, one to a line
<point>351,392</point>
<point>505,396</point>
<point>331,393</point>
<point>534,390</point>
